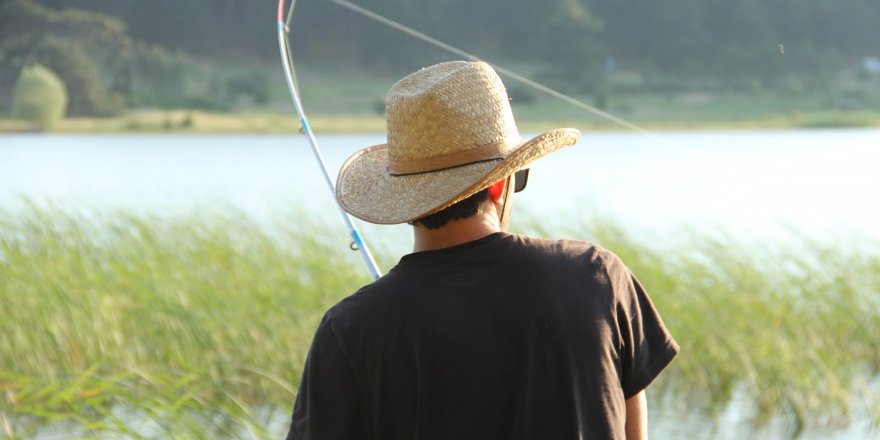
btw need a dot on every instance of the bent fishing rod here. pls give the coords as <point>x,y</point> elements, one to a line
<point>357,241</point>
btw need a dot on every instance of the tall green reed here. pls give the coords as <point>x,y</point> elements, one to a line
<point>197,326</point>
<point>177,320</point>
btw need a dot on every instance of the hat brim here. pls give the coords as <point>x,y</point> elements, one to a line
<point>366,190</point>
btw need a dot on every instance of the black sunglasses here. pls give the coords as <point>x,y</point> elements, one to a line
<point>520,179</point>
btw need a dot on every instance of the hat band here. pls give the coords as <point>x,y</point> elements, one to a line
<point>401,167</point>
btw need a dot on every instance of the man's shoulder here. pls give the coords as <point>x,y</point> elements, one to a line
<point>572,256</point>
<point>565,248</point>
<point>371,300</point>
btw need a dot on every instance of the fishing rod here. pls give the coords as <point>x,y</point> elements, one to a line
<point>357,242</point>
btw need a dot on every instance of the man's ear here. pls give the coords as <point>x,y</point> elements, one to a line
<point>496,191</point>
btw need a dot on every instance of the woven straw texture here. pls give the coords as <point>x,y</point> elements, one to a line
<point>446,108</point>
<point>451,133</point>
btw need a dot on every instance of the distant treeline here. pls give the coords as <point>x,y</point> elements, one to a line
<point>132,49</point>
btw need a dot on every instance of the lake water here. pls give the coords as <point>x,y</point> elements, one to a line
<point>754,184</point>
<point>748,183</point>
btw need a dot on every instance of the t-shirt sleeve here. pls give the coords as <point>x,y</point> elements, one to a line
<point>330,403</point>
<point>646,346</point>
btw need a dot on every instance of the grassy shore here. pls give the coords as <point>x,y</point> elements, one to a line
<point>202,122</point>
<point>196,121</point>
<point>652,112</point>
<point>196,327</point>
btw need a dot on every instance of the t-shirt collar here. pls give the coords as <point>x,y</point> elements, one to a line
<point>453,250</point>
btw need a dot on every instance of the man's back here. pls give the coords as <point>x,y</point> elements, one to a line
<point>503,337</point>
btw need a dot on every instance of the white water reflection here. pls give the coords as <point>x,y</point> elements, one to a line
<point>821,182</point>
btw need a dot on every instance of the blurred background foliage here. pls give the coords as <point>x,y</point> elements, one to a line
<point>222,55</point>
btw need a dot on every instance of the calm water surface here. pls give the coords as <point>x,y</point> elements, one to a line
<point>753,183</point>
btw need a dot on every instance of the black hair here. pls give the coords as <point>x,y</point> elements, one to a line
<point>459,211</point>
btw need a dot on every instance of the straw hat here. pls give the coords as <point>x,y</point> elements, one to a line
<point>451,134</point>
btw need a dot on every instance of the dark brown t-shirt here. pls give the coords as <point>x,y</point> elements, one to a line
<point>506,337</point>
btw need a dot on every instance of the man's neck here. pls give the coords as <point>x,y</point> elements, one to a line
<point>455,232</point>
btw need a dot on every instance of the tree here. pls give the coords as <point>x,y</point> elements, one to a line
<point>39,96</point>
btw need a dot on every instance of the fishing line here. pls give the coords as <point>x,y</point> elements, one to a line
<point>357,241</point>
<point>506,72</point>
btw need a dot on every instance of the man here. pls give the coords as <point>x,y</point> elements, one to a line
<point>478,334</point>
